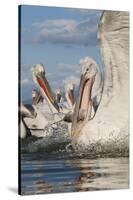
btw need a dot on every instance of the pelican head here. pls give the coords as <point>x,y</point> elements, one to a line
<point>38,73</point>
<point>83,106</point>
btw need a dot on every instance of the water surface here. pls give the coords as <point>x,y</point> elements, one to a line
<point>41,173</point>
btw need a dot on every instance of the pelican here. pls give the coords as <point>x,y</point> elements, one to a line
<point>38,74</point>
<point>34,125</point>
<point>58,96</point>
<point>69,88</point>
<point>32,120</point>
<point>56,104</point>
<point>66,105</point>
<point>25,112</point>
<point>90,68</point>
<point>109,123</point>
<point>48,111</point>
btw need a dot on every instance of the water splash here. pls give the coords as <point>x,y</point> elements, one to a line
<point>57,142</point>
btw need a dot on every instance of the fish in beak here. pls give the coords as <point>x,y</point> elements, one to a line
<point>83,107</point>
<point>40,79</point>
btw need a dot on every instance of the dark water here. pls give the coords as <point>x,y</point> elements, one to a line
<point>42,173</point>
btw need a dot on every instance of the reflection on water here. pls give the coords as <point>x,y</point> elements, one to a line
<point>41,175</point>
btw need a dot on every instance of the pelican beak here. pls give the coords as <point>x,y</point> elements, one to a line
<point>46,90</point>
<point>37,99</point>
<point>71,96</point>
<point>82,110</point>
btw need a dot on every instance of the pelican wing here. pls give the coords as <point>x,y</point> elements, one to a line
<point>113,35</point>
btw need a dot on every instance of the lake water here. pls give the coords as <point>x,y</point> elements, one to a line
<point>44,173</point>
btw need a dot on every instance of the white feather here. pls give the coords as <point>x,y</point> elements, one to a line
<point>111,120</point>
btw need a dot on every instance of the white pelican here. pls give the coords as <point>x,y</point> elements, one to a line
<point>67,106</point>
<point>110,122</point>
<point>56,104</point>
<point>69,88</point>
<point>33,120</point>
<point>39,78</point>
<point>58,96</point>
<point>25,112</point>
<point>48,111</point>
<point>89,66</point>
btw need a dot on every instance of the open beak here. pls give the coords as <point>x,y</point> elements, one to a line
<point>46,90</point>
<point>83,106</point>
